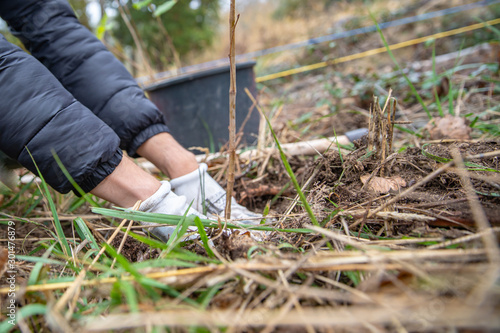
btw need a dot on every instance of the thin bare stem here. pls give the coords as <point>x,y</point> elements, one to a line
<point>137,40</point>
<point>477,211</point>
<point>232,110</point>
<point>170,43</point>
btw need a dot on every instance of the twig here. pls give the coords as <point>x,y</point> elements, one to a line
<point>364,218</point>
<point>292,300</point>
<point>414,317</point>
<point>483,289</point>
<point>177,60</point>
<point>383,133</point>
<point>137,40</point>
<point>463,239</point>
<point>296,199</point>
<point>341,238</point>
<point>391,116</point>
<point>477,211</point>
<point>371,128</point>
<point>124,238</point>
<point>330,261</point>
<point>232,111</point>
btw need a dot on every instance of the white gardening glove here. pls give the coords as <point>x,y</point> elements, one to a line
<point>209,197</point>
<point>164,201</point>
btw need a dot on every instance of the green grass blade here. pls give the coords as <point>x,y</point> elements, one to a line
<point>178,253</point>
<point>407,130</point>
<point>211,142</point>
<point>207,295</point>
<point>436,80</point>
<point>179,232</point>
<point>76,204</point>
<point>130,295</point>
<point>84,232</point>
<point>59,231</point>
<point>253,249</point>
<point>17,196</point>
<point>123,213</point>
<point>122,261</point>
<point>148,241</point>
<point>35,272</point>
<point>115,294</point>
<point>186,255</point>
<point>450,98</point>
<point>23,312</point>
<point>36,250</point>
<point>129,268</point>
<point>489,27</point>
<point>290,172</point>
<point>203,237</point>
<point>72,181</point>
<point>338,148</point>
<point>470,165</point>
<point>41,260</point>
<point>161,262</point>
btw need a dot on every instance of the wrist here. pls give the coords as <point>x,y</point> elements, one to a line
<point>126,185</point>
<point>168,155</point>
<point>192,177</point>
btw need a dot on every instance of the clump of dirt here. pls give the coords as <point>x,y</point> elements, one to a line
<point>133,250</point>
<point>233,245</point>
<point>255,192</point>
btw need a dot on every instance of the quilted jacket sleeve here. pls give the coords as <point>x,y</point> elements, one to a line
<point>38,117</point>
<point>52,33</point>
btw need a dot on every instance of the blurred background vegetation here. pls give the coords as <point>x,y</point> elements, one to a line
<point>175,33</point>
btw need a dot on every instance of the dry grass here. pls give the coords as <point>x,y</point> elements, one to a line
<point>444,279</point>
<point>422,257</point>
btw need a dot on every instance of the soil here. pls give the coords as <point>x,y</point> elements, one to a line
<point>343,191</point>
<point>337,190</point>
<point>336,193</point>
<point>341,181</point>
<point>133,250</point>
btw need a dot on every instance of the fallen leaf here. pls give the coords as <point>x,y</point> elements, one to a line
<point>382,185</point>
<point>448,127</point>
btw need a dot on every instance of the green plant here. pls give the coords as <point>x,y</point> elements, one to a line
<point>57,223</point>
<point>189,29</point>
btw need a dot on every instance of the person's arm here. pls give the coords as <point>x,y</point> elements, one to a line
<point>52,34</point>
<point>38,116</point>
<point>127,184</point>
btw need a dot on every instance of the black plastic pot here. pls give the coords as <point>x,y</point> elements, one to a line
<point>196,106</point>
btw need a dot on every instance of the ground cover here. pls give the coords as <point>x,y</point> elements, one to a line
<point>397,232</point>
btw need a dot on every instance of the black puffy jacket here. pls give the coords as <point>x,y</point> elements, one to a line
<point>82,103</point>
